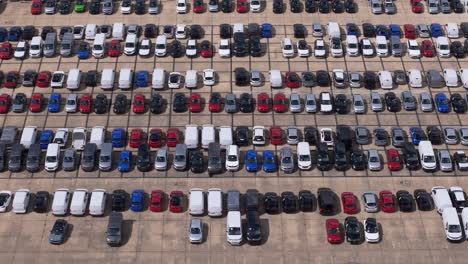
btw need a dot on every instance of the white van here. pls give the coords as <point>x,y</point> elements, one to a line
<point>99,46</point>
<point>28,137</point>
<point>35,49</point>
<point>196,201</point>
<point>443,47</point>
<point>385,79</point>
<point>464,77</point>
<point>464,216</point>
<point>159,78</point>
<point>161,46</point>
<point>118,31</point>
<point>234,228</point>
<point>452,227</point>
<point>91,31</point>
<point>107,79</point>
<point>97,204</point>
<point>426,155</point>
<point>191,79</point>
<point>208,135</point>
<point>79,202</point>
<point>304,159</point>
<point>130,46</point>
<point>52,157</point>
<point>74,79</point>
<point>452,30</point>
<point>191,136</point>
<point>225,136</point>
<point>381,46</point>
<point>333,30</point>
<point>238,28</point>
<point>215,202</point>
<point>441,198</point>
<point>125,78</point>
<point>276,80</point>
<point>451,77</point>
<point>98,136</point>
<point>21,201</point>
<point>415,78</point>
<point>61,201</point>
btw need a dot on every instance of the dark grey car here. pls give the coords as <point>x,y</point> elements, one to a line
<point>88,160</point>
<point>398,137</point>
<point>287,160</point>
<point>69,160</point>
<point>59,232</point>
<point>114,229</point>
<point>434,79</point>
<point>409,102</point>
<point>230,103</point>
<point>16,158</point>
<point>362,135</point>
<point>33,158</point>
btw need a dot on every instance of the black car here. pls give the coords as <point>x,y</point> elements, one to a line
<point>91,78</point>
<point>216,99</point>
<point>341,104</point>
<point>310,135</point>
<point>242,76</point>
<point>350,6</point>
<point>255,47</point>
<point>29,78</point>
<point>289,202</point>
<point>296,6</point>
<point>225,31</point>
<point>337,6</point>
<point>253,29</point>
<point>457,6</point>
<point>353,230</point>
<point>323,79</point>
<point>310,6</point>
<point>324,6</point>
<point>252,202</point>
<point>358,159</point>
<point>299,31</point>
<point>226,6</point>
<point>254,231</point>
<point>156,104</point>
<point>323,157</point>
<point>64,7</point>
<point>59,232</point>
<point>240,46</point>
<point>392,102</point>
<point>327,201</point>
<point>179,104</point>
<point>246,104</point>
<point>120,104</point>
<point>29,32</point>
<point>46,30</point>
<point>144,157</point>
<point>423,200</point>
<point>411,157</point>
<point>405,201</point>
<point>196,32</point>
<point>345,135</point>
<point>341,157</point>
<point>94,7</point>
<point>271,203</point>
<point>457,50</point>
<point>63,30</point>
<point>306,201</point>
<point>464,29</point>
<point>176,49</point>
<point>140,7</point>
<point>242,136</point>
<point>119,200</point>
<point>434,134</point>
<point>458,103</point>
<point>100,104</point>
<point>197,163</point>
<point>20,99</point>
<point>41,202</point>
<point>278,6</point>
<point>150,31</point>
<point>370,80</point>
<point>368,30</point>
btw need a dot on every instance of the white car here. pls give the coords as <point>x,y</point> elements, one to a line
<point>287,48</point>
<point>224,48</point>
<point>160,48</point>
<point>326,136</point>
<point>78,138</point>
<point>371,230</point>
<point>255,6</point>
<point>181,6</point>
<point>367,48</point>
<point>174,80</point>
<point>302,48</point>
<point>413,49</point>
<point>319,48</point>
<point>5,199</point>
<point>336,48</point>
<point>258,137</point>
<point>21,201</point>
<point>326,104</point>
<point>232,158</point>
<point>386,81</point>
<point>145,47</point>
<point>339,78</point>
<point>452,29</point>
<point>153,7</point>
<point>20,50</point>
<point>464,77</point>
<point>181,31</point>
<point>126,7</point>
<point>352,46</point>
<point>58,77</point>
<point>451,77</point>
<point>381,46</point>
<point>78,31</point>
<point>61,137</point>
<point>209,77</point>
<point>443,47</point>
<point>415,78</point>
<point>191,48</point>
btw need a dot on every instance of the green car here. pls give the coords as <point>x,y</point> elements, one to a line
<point>80,6</point>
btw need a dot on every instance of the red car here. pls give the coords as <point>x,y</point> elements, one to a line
<point>195,103</point>
<point>198,6</point>
<point>156,138</point>
<point>5,51</point>
<point>5,101</point>
<point>387,201</point>
<point>114,48</point>
<point>11,79</point>
<point>334,233</point>
<point>43,79</point>
<point>139,103</point>
<point>36,102</point>
<point>85,103</point>
<point>276,135</point>
<point>206,49</point>
<point>172,138</point>
<point>416,6</point>
<point>263,102</point>
<point>393,160</point>
<point>427,48</point>
<point>292,80</point>
<point>349,203</point>
<point>279,103</point>
<point>215,103</point>
<point>136,137</point>
<point>157,201</point>
<point>176,202</point>
<point>410,31</point>
<point>241,6</point>
<point>36,7</point>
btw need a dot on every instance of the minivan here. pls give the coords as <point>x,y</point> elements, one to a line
<point>67,44</point>
<point>28,136</point>
<point>125,78</point>
<point>131,43</point>
<point>215,202</point>
<point>233,200</point>
<point>35,49</point>
<point>79,202</point>
<point>196,201</point>
<point>180,157</point>
<point>303,156</point>
<point>214,158</point>
<point>74,79</point>
<point>33,158</point>
<point>426,155</point>
<point>21,201</point>
<point>88,160</point>
<point>52,157</point>
<point>105,157</point>
<point>16,157</point>
<point>451,222</point>
<point>91,31</point>
<point>160,48</point>
<point>61,202</point>
<point>107,79</point>
<point>97,204</point>
<point>234,228</point>
<point>49,44</point>
<point>326,201</point>
<point>158,79</point>
<point>99,46</point>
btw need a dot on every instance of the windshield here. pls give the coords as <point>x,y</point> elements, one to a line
<point>179,158</point>
<point>454,229</point>
<point>232,158</point>
<point>429,159</point>
<point>234,231</point>
<point>51,159</point>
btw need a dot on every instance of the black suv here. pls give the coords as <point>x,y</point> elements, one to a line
<point>326,201</point>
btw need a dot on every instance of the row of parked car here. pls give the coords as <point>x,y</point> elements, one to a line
<point>437,6</point>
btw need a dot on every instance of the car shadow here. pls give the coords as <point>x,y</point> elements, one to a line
<point>265,225</point>
<point>127,229</point>
<point>205,232</point>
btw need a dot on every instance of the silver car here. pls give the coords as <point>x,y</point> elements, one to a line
<point>213,6</point>
<point>108,7</point>
<point>370,202</point>
<point>398,137</point>
<point>292,135</point>
<point>317,30</point>
<point>295,103</point>
<point>425,100</point>
<point>373,160</point>
<point>445,160</point>
<point>255,78</point>
<point>464,135</point>
<point>355,80</point>
<point>160,162</point>
<point>310,103</point>
<point>423,31</point>
<point>445,6</point>
<point>409,103</point>
<point>389,7</point>
<point>72,103</point>
<point>450,136</point>
<point>230,103</point>
<point>196,231</point>
<point>287,160</point>
<point>376,6</point>
<point>362,135</point>
<point>433,6</point>
<point>376,102</point>
<point>69,160</point>
<point>358,104</point>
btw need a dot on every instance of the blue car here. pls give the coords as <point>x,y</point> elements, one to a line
<point>136,201</point>
<point>417,135</point>
<point>3,34</point>
<point>251,160</point>
<point>442,103</point>
<point>381,30</point>
<point>83,50</point>
<point>141,79</point>
<point>269,161</point>
<point>15,33</point>
<point>118,137</point>
<point>436,30</point>
<point>125,161</point>
<point>266,30</point>
<point>395,30</point>
<point>352,29</point>
<point>45,138</point>
<point>54,102</point>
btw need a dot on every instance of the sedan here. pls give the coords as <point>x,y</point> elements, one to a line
<point>5,101</point>
<point>215,102</point>
<point>279,103</point>
<point>157,201</point>
<point>387,201</point>
<point>427,48</point>
<point>59,232</point>
<point>263,102</point>
<point>139,105</point>
<point>137,137</point>
<point>353,230</point>
<point>179,103</point>
<point>334,233</point>
<point>269,161</point>
<point>349,203</point>
<point>442,103</point>
<point>292,80</point>
<point>393,160</point>
<point>176,202</point>
<point>195,103</point>
<point>54,102</point>
<point>5,199</point>
<point>371,230</point>
<point>35,104</point>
